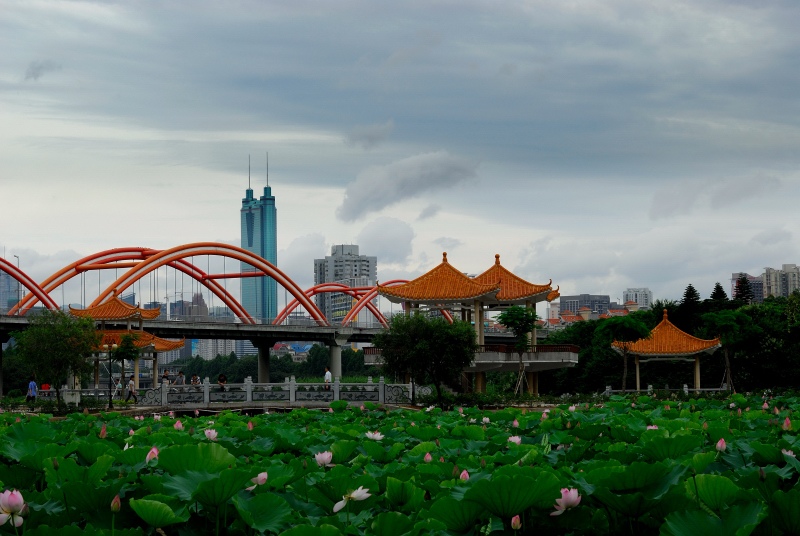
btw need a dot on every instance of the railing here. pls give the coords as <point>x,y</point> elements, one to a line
<point>650,390</point>
<point>505,348</point>
<point>290,392</point>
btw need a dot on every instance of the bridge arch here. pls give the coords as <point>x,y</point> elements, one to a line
<point>126,258</point>
<point>212,248</point>
<point>323,288</point>
<point>367,298</point>
<point>32,286</point>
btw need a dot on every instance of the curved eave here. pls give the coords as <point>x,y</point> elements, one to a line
<point>115,309</point>
<point>142,341</point>
<point>655,355</point>
<point>442,300</point>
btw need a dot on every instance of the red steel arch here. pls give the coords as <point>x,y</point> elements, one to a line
<point>372,294</point>
<point>116,258</point>
<point>211,248</point>
<point>323,288</point>
<point>32,286</point>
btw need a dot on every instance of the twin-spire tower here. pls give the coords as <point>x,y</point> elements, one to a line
<point>259,236</point>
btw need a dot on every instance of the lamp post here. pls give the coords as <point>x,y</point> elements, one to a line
<point>19,286</point>
<point>111,385</point>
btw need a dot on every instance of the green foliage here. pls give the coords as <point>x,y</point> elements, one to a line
<point>521,321</point>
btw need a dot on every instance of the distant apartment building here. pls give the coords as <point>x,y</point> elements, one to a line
<point>642,296</point>
<point>10,292</point>
<point>596,303</point>
<point>756,284</point>
<point>344,265</point>
<point>781,282</point>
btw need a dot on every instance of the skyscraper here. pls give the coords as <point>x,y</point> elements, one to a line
<point>344,265</point>
<point>260,236</point>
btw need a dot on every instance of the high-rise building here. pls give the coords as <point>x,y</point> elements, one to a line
<point>781,282</point>
<point>260,236</point>
<point>9,292</point>
<point>756,285</point>
<point>346,266</point>
<point>642,296</point>
<point>597,303</point>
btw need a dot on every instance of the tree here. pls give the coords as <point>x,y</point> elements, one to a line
<point>727,325</point>
<point>57,344</point>
<point>625,330</point>
<point>521,321</point>
<point>688,313</point>
<point>429,349</point>
<point>719,294</point>
<point>743,291</point>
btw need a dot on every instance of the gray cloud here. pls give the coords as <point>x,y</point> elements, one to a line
<point>389,239</point>
<point>771,237</point>
<point>429,212</point>
<point>737,191</point>
<point>369,136</point>
<point>681,198</point>
<point>37,69</point>
<point>378,187</point>
<point>449,244</point>
<point>297,259</point>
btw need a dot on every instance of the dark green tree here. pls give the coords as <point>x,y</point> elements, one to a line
<point>431,350</point>
<point>719,294</point>
<point>57,344</point>
<point>718,300</point>
<point>743,292</point>
<point>521,321</point>
<point>625,330</point>
<point>687,316</point>
<point>730,327</point>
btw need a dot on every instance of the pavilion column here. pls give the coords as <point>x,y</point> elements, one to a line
<point>480,382</point>
<point>533,383</point>
<point>532,334</point>
<point>96,372</point>
<point>407,308</point>
<point>478,308</point>
<point>638,383</point>
<point>697,374</point>
<point>156,378</point>
<point>136,373</point>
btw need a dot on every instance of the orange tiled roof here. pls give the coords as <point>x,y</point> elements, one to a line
<point>584,308</point>
<point>512,287</point>
<point>441,284</point>
<point>115,309</point>
<point>567,312</point>
<point>143,340</point>
<point>554,321</point>
<point>668,340</point>
<point>554,294</point>
<point>571,318</point>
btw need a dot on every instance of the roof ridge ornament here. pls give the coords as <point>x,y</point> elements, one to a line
<point>497,259</point>
<point>665,313</point>
<point>444,256</point>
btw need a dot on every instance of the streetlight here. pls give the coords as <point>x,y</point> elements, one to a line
<point>111,385</point>
<point>19,286</point>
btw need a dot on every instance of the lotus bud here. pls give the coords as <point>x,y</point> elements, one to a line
<point>464,475</point>
<point>131,432</point>
<point>102,434</point>
<point>483,463</point>
<point>516,524</point>
<point>515,423</point>
<point>721,446</point>
<point>455,471</point>
<point>705,425</point>
<point>197,413</point>
<point>787,424</point>
<point>152,455</point>
<point>761,474</point>
<point>249,425</point>
<point>115,504</point>
<point>428,458</point>
<point>178,424</point>
<point>441,459</point>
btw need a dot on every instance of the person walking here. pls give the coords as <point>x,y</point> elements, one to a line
<point>132,391</point>
<point>328,379</point>
<point>33,391</point>
<point>180,379</point>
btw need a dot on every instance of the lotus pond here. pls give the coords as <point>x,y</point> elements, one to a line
<point>630,466</point>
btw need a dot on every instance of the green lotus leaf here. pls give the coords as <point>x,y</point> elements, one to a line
<point>343,450</point>
<point>308,530</point>
<point>423,448</point>
<point>24,440</point>
<point>739,521</point>
<point>279,475</point>
<point>506,497</point>
<point>391,524</point>
<point>39,457</point>
<point>264,512</point>
<point>133,457</point>
<point>404,496</point>
<point>475,433</point>
<point>766,454</point>
<point>785,511</point>
<point>217,491</point>
<point>382,454</point>
<point>664,448</point>
<point>185,484</point>
<point>459,516</point>
<point>702,460</point>
<point>424,433</point>
<point>157,514</point>
<point>90,451</point>
<point>715,491</point>
<point>201,457</point>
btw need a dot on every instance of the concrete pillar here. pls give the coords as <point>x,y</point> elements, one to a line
<point>638,383</point>
<point>263,363</point>
<point>480,382</point>
<point>697,374</point>
<point>136,373</point>
<point>336,360</point>
<point>477,307</point>
<point>96,372</point>
<point>533,382</point>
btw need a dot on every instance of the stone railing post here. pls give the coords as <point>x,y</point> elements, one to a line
<point>336,388</point>
<point>292,390</point>
<point>369,387</point>
<point>649,389</point>
<point>206,391</point>
<point>685,389</point>
<point>163,389</point>
<point>381,391</point>
<point>608,391</point>
<point>248,389</point>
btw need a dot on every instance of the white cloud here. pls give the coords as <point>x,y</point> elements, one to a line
<point>379,187</point>
<point>449,244</point>
<point>370,136</point>
<point>389,239</point>
<point>429,212</point>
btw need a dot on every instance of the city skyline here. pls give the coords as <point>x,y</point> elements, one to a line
<point>613,146</point>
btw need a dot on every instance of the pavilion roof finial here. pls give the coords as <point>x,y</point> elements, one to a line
<point>444,256</point>
<point>665,314</point>
<point>497,259</point>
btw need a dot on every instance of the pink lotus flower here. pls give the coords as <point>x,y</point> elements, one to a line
<point>172,414</point>
<point>705,425</point>
<point>441,459</point>
<point>739,412</point>
<point>330,410</point>
<point>377,436</point>
<point>765,406</point>
<point>361,407</point>
<point>197,413</point>
<point>666,407</point>
<point>721,445</point>
<point>116,504</point>
<point>516,524</point>
<point>413,423</point>
<point>12,506</point>
<point>324,459</point>
<point>515,439</point>
<point>103,432</point>
<point>178,425</point>
<point>571,408</point>
<point>776,410</point>
<point>544,416</point>
<point>787,424</point>
<point>153,454</point>
<point>258,480</point>
<point>428,458</point>
<point>652,427</point>
<point>131,432</point>
<point>569,499</point>
<point>486,420</point>
<point>461,410</point>
<point>788,453</point>
<point>515,423</point>
<point>360,494</point>
<point>156,417</point>
<point>464,475</point>
<point>211,434</point>
<point>250,425</point>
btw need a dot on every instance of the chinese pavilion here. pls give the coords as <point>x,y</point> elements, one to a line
<point>116,311</point>
<point>668,343</point>
<point>444,287</point>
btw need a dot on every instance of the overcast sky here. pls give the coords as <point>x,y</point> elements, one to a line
<point>604,144</point>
